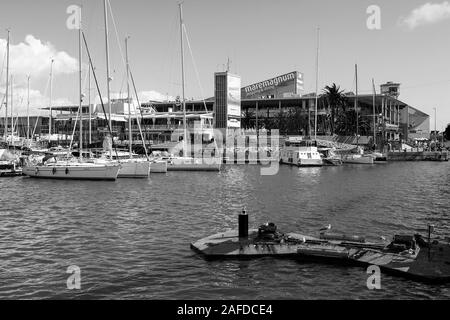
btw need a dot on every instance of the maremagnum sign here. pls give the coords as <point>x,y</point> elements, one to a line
<point>277,87</point>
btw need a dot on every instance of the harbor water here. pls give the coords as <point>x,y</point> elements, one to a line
<point>130,238</point>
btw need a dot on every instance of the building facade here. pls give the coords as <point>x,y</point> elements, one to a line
<point>276,103</point>
<point>227,102</point>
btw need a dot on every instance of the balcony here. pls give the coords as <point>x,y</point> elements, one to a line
<point>170,127</point>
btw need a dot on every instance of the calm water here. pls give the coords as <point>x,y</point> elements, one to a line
<point>131,237</point>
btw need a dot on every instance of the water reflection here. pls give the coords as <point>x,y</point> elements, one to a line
<point>131,237</point>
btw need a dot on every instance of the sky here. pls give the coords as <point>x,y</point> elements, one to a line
<point>262,39</point>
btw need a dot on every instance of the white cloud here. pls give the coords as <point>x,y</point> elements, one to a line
<point>33,57</point>
<point>37,101</point>
<point>146,96</point>
<point>428,13</point>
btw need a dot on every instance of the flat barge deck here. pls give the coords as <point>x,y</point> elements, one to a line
<point>406,255</point>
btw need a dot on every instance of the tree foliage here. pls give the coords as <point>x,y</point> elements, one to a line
<point>447,132</point>
<point>340,120</point>
<point>336,104</point>
<point>346,124</point>
<point>247,119</point>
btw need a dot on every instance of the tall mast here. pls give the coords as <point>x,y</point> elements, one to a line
<point>80,88</point>
<point>51,93</point>
<point>12,116</point>
<point>374,111</point>
<point>356,105</point>
<point>317,85</point>
<point>107,62</point>
<point>89,103</point>
<point>7,88</point>
<point>28,108</point>
<point>182,80</point>
<point>130,138</point>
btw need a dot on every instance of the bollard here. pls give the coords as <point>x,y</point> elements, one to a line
<point>243,224</point>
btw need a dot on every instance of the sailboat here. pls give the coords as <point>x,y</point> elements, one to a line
<point>360,157</point>
<point>378,157</point>
<point>157,165</point>
<point>299,152</point>
<point>51,168</point>
<point>5,121</point>
<point>185,162</point>
<point>9,161</point>
<point>132,167</point>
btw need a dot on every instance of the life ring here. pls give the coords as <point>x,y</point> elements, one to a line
<point>67,170</point>
<point>54,170</point>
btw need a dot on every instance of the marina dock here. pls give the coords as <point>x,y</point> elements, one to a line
<point>418,156</point>
<point>406,255</point>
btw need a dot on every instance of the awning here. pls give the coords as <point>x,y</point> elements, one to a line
<point>114,117</point>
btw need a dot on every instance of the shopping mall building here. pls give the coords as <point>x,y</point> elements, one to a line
<point>391,118</point>
<point>234,106</point>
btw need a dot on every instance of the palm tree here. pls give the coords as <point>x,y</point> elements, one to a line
<point>269,123</point>
<point>335,99</point>
<point>247,119</point>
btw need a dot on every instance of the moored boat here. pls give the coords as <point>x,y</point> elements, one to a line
<point>134,168</point>
<point>193,164</point>
<point>9,169</point>
<point>300,153</point>
<point>79,169</point>
<point>378,157</point>
<point>406,255</point>
<point>329,158</point>
<point>73,171</point>
<point>158,166</point>
<point>409,256</point>
<point>357,159</point>
<point>9,164</point>
<point>130,167</point>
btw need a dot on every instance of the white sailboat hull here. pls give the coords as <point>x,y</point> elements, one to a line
<point>158,167</point>
<point>69,171</point>
<point>134,169</point>
<point>129,168</point>
<point>191,164</point>
<point>310,162</point>
<point>357,159</point>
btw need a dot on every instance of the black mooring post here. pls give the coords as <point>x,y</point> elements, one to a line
<point>243,224</point>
